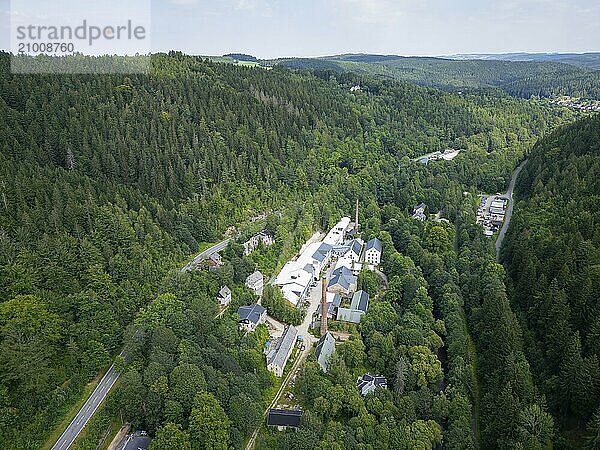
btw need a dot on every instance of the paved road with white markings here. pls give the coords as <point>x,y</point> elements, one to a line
<point>87,411</point>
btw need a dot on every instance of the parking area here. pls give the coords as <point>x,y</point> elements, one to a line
<point>135,441</point>
<point>491,213</point>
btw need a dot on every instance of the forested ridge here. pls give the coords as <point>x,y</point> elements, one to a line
<point>110,182</point>
<point>521,79</point>
<point>553,258</point>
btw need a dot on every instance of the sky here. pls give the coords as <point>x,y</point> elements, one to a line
<point>279,28</point>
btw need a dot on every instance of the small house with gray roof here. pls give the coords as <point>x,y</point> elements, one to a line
<point>284,418</point>
<point>224,296</point>
<point>325,348</point>
<point>368,383</point>
<point>279,354</point>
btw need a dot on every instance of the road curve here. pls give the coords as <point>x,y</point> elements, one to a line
<point>509,211</point>
<point>205,254</point>
<point>87,411</point>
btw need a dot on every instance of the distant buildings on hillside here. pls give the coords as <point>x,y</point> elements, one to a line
<point>578,104</point>
<point>446,155</point>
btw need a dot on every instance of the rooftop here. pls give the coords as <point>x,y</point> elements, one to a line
<point>280,355</point>
<point>336,234</point>
<point>360,301</point>
<point>376,244</point>
<point>324,350</point>
<point>224,291</point>
<point>284,417</point>
<point>254,277</point>
<point>356,246</point>
<point>251,313</point>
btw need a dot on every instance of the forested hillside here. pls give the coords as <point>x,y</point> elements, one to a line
<point>521,79</point>
<point>553,258</point>
<point>108,183</point>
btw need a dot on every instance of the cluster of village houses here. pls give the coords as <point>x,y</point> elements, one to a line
<point>348,255</point>
<point>341,255</point>
<point>490,214</point>
<point>578,104</point>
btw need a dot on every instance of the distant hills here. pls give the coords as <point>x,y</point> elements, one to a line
<point>589,60</point>
<point>518,75</point>
<point>521,75</point>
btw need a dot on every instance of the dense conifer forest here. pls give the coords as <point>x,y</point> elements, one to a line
<point>110,183</point>
<point>552,255</point>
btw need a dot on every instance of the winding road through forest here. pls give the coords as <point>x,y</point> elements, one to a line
<point>509,211</point>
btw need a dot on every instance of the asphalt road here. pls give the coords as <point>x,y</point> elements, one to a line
<point>107,382</point>
<point>205,254</point>
<point>509,210</point>
<point>87,411</point>
<point>134,442</point>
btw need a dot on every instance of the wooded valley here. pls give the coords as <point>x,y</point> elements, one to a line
<point>110,183</point>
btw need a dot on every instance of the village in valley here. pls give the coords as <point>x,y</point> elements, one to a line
<point>577,104</point>
<point>322,282</point>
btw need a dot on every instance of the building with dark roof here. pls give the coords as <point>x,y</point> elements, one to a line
<point>255,281</point>
<point>358,307</point>
<point>356,246</point>
<point>342,281</point>
<point>373,251</point>
<point>284,418</point>
<point>251,316</point>
<point>360,301</point>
